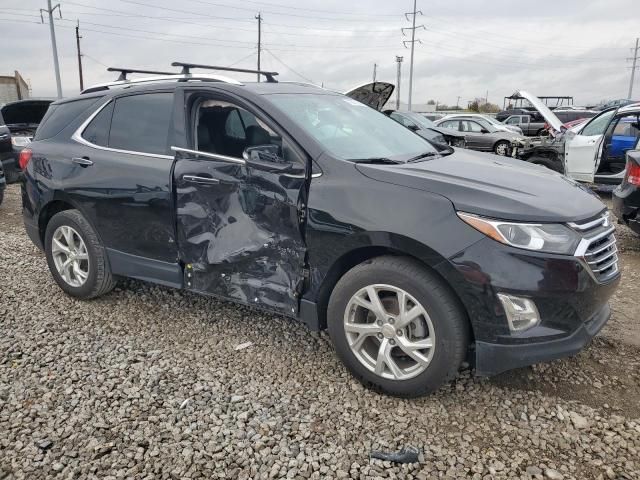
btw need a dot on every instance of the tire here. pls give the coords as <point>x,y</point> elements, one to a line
<point>99,279</point>
<point>502,148</point>
<point>448,323</point>
<point>547,162</point>
<point>1,195</point>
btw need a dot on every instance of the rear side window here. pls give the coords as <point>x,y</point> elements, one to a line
<point>60,115</point>
<point>140,123</point>
<point>97,132</point>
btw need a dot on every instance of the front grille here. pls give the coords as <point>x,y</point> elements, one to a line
<point>598,246</point>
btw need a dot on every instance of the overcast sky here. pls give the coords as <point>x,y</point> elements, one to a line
<point>469,47</point>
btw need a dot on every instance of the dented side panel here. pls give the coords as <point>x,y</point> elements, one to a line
<point>242,238</point>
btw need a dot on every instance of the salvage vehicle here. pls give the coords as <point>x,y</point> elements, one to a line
<point>307,203</point>
<point>626,196</point>
<point>483,136</point>
<point>427,129</point>
<point>18,123</point>
<point>492,120</point>
<point>591,153</point>
<point>527,124</point>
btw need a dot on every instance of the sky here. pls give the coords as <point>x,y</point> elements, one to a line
<point>467,48</point>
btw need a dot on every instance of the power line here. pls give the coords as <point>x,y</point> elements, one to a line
<point>413,41</point>
<point>306,79</point>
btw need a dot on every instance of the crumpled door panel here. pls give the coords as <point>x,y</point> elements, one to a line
<point>241,239</point>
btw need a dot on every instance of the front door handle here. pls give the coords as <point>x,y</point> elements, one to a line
<point>200,180</point>
<point>82,161</point>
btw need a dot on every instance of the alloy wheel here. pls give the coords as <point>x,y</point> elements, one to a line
<point>389,332</point>
<point>70,256</point>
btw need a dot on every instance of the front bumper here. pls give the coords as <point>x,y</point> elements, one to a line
<point>573,305</point>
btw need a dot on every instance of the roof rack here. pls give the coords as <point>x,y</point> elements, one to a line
<point>125,71</point>
<point>186,70</point>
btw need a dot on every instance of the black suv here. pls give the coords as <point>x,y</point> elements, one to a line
<point>310,204</point>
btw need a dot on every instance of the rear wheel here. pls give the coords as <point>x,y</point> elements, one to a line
<point>397,327</point>
<point>502,148</point>
<point>76,258</point>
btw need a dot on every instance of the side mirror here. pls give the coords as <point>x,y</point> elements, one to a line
<point>414,127</point>
<point>484,130</point>
<point>267,158</point>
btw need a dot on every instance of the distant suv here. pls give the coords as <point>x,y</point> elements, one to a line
<point>309,204</point>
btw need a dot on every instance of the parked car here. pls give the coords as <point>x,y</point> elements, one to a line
<point>616,104</point>
<point>527,123</point>
<point>309,204</point>
<point>593,152</point>
<point>626,196</point>
<point>427,129</point>
<point>482,135</point>
<point>492,120</point>
<point>18,123</point>
<point>504,114</point>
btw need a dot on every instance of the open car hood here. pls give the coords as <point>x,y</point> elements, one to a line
<point>375,95</point>
<point>546,113</point>
<point>24,112</point>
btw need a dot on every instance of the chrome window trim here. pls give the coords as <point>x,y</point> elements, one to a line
<point>215,156</point>
<point>77,137</point>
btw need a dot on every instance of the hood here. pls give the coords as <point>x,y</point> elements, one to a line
<point>24,111</point>
<point>375,95</point>
<point>498,187</point>
<point>543,110</point>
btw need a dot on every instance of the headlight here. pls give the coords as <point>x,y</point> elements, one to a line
<point>20,141</point>
<point>541,237</point>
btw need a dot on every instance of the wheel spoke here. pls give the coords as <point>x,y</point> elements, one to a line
<point>364,330</point>
<point>376,304</point>
<point>58,247</point>
<point>385,358</point>
<point>409,316</point>
<point>68,236</point>
<point>78,272</point>
<point>412,348</point>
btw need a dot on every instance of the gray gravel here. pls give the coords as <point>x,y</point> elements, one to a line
<point>146,382</point>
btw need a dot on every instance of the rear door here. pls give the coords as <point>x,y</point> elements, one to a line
<point>582,151</point>
<point>240,188</point>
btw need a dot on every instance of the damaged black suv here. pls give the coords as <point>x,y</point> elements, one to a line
<point>310,204</point>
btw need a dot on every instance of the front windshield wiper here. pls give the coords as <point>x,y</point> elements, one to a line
<point>422,155</point>
<point>376,161</point>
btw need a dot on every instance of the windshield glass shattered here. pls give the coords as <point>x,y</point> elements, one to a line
<point>351,130</point>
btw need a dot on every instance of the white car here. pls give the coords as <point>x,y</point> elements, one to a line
<point>493,121</point>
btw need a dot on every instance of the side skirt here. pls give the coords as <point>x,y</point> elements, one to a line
<point>143,268</point>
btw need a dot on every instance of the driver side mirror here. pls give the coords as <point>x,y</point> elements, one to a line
<point>414,127</point>
<point>484,130</point>
<point>267,158</point>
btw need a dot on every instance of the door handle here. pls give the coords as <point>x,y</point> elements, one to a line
<point>200,180</point>
<point>82,161</point>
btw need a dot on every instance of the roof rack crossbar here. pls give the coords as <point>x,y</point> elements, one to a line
<point>125,71</point>
<point>186,67</point>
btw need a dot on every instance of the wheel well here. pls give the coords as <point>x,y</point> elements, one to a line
<point>48,212</point>
<point>361,255</point>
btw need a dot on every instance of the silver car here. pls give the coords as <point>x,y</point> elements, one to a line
<point>482,135</point>
<point>492,120</point>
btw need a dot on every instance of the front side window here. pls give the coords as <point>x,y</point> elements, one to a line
<point>598,125</point>
<point>140,123</point>
<point>473,127</point>
<point>349,129</point>
<point>513,121</point>
<point>453,124</point>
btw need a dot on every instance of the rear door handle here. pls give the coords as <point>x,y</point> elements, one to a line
<point>200,180</point>
<point>82,161</point>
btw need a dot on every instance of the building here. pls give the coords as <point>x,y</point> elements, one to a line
<point>13,88</point>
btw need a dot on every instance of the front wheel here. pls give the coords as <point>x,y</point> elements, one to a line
<point>397,327</point>
<point>502,148</point>
<point>76,258</point>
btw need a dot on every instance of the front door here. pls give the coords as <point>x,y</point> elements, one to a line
<point>581,151</point>
<point>473,135</point>
<point>240,191</point>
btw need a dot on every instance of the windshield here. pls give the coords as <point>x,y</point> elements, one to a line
<point>350,130</point>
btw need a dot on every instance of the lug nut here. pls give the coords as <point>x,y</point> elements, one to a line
<point>392,341</point>
<point>380,336</point>
<point>391,320</point>
<point>379,322</point>
<point>399,332</point>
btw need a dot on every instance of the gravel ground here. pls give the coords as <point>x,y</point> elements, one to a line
<point>146,382</point>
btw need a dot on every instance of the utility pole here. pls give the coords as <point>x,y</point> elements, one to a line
<point>399,62</point>
<point>458,102</point>
<point>54,47</point>
<point>259,18</point>
<point>413,41</point>
<point>375,67</point>
<point>78,37</point>
<point>633,68</point>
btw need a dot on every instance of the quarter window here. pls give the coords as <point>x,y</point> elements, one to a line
<point>140,123</point>
<point>97,132</point>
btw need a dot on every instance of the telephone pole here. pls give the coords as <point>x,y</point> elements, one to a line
<point>54,47</point>
<point>458,102</point>
<point>259,18</point>
<point>399,62</point>
<point>375,67</point>
<point>78,37</point>
<point>633,68</point>
<point>413,41</point>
